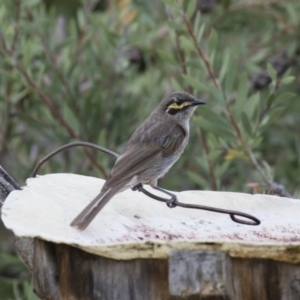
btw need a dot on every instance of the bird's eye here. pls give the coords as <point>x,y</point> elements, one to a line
<point>176,101</point>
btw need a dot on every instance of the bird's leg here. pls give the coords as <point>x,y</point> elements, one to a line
<point>136,187</point>
<point>171,203</point>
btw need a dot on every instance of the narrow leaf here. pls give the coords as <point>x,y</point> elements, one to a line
<point>198,180</point>
<point>170,2</point>
<point>196,84</point>
<point>246,124</point>
<point>287,79</point>
<point>214,128</point>
<point>226,59</point>
<point>284,97</point>
<point>167,57</point>
<point>176,85</point>
<point>271,71</point>
<point>241,95</point>
<point>213,40</point>
<point>200,33</point>
<point>191,8</point>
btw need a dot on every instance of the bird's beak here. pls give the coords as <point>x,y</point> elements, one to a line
<point>197,102</point>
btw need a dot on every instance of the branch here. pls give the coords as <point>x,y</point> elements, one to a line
<point>234,123</point>
<point>7,121</point>
<point>61,76</point>
<point>276,188</point>
<point>16,33</point>
<point>47,100</point>
<point>212,176</point>
<point>200,52</point>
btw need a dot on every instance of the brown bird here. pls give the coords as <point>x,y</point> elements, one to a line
<point>150,152</point>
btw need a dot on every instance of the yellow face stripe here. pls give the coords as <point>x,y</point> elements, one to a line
<point>178,106</point>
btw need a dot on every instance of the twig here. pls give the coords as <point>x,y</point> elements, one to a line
<point>273,185</point>
<point>211,73</point>
<point>16,33</point>
<point>200,52</point>
<point>7,122</point>
<point>234,123</point>
<point>277,188</point>
<point>61,76</point>
<point>182,60</point>
<point>55,112</point>
<point>212,176</point>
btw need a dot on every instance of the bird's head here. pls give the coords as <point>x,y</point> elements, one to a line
<point>180,105</point>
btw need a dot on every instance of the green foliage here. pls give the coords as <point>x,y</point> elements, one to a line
<point>94,75</point>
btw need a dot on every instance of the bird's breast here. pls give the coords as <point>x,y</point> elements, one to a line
<point>159,168</point>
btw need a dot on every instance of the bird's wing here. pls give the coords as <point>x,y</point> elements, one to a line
<point>140,155</point>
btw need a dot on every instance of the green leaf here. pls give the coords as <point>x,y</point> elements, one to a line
<point>174,25</point>
<point>176,85</point>
<point>170,3</point>
<point>271,71</point>
<point>284,97</point>
<point>217,95</point>
<point>213,40</point>
<point>221,169</point>
<point>167,57</point>
<point>272,116</point>
<point>271,98</point>
<point>229,81</point>
<point>187,44</point>
<point>213,155</point>
<point>30,3</point>
<point>15,98</point>
<point>241,95</point>
<point>246,124</point>
<point>251,105</point>
<point>275,113</point>
<point>287,79</point>
<point>191,8</point>
<point>198,180</point>
<point>196,84</point>
<point>292,13</point>
<point>225,64</point>
<point>218,120</point>
<point>80,18</point>
<point>214,128</point>
<point>200,33</point>
<point>197,21</point>
<point>212,58</point>
<point>260,56</point>
<point>255,142</point>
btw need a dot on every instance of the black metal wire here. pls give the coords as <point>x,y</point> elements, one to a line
<point>232,213</point>
<point>70,145</point>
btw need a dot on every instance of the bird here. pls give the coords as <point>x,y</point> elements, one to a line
<point>149,153</point>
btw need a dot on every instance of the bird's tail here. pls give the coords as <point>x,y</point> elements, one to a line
<point>87,215</point>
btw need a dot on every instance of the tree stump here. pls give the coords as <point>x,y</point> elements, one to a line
<point>137,248</point>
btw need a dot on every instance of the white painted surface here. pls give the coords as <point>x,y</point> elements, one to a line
<point>133,225</point>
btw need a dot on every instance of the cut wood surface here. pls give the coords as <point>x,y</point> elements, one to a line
<point>135,226</point>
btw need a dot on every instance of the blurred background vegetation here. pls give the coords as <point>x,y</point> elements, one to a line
<point>94,70</point>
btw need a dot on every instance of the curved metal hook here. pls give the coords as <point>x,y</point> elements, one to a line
<point>172,202</point>
<point>70,145</point>
<point>232,213</point>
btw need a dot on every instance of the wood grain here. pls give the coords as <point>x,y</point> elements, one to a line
<point>64,272</point>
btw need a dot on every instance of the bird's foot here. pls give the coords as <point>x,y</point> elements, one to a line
<point>136,187</point>
<point>171,203</point>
